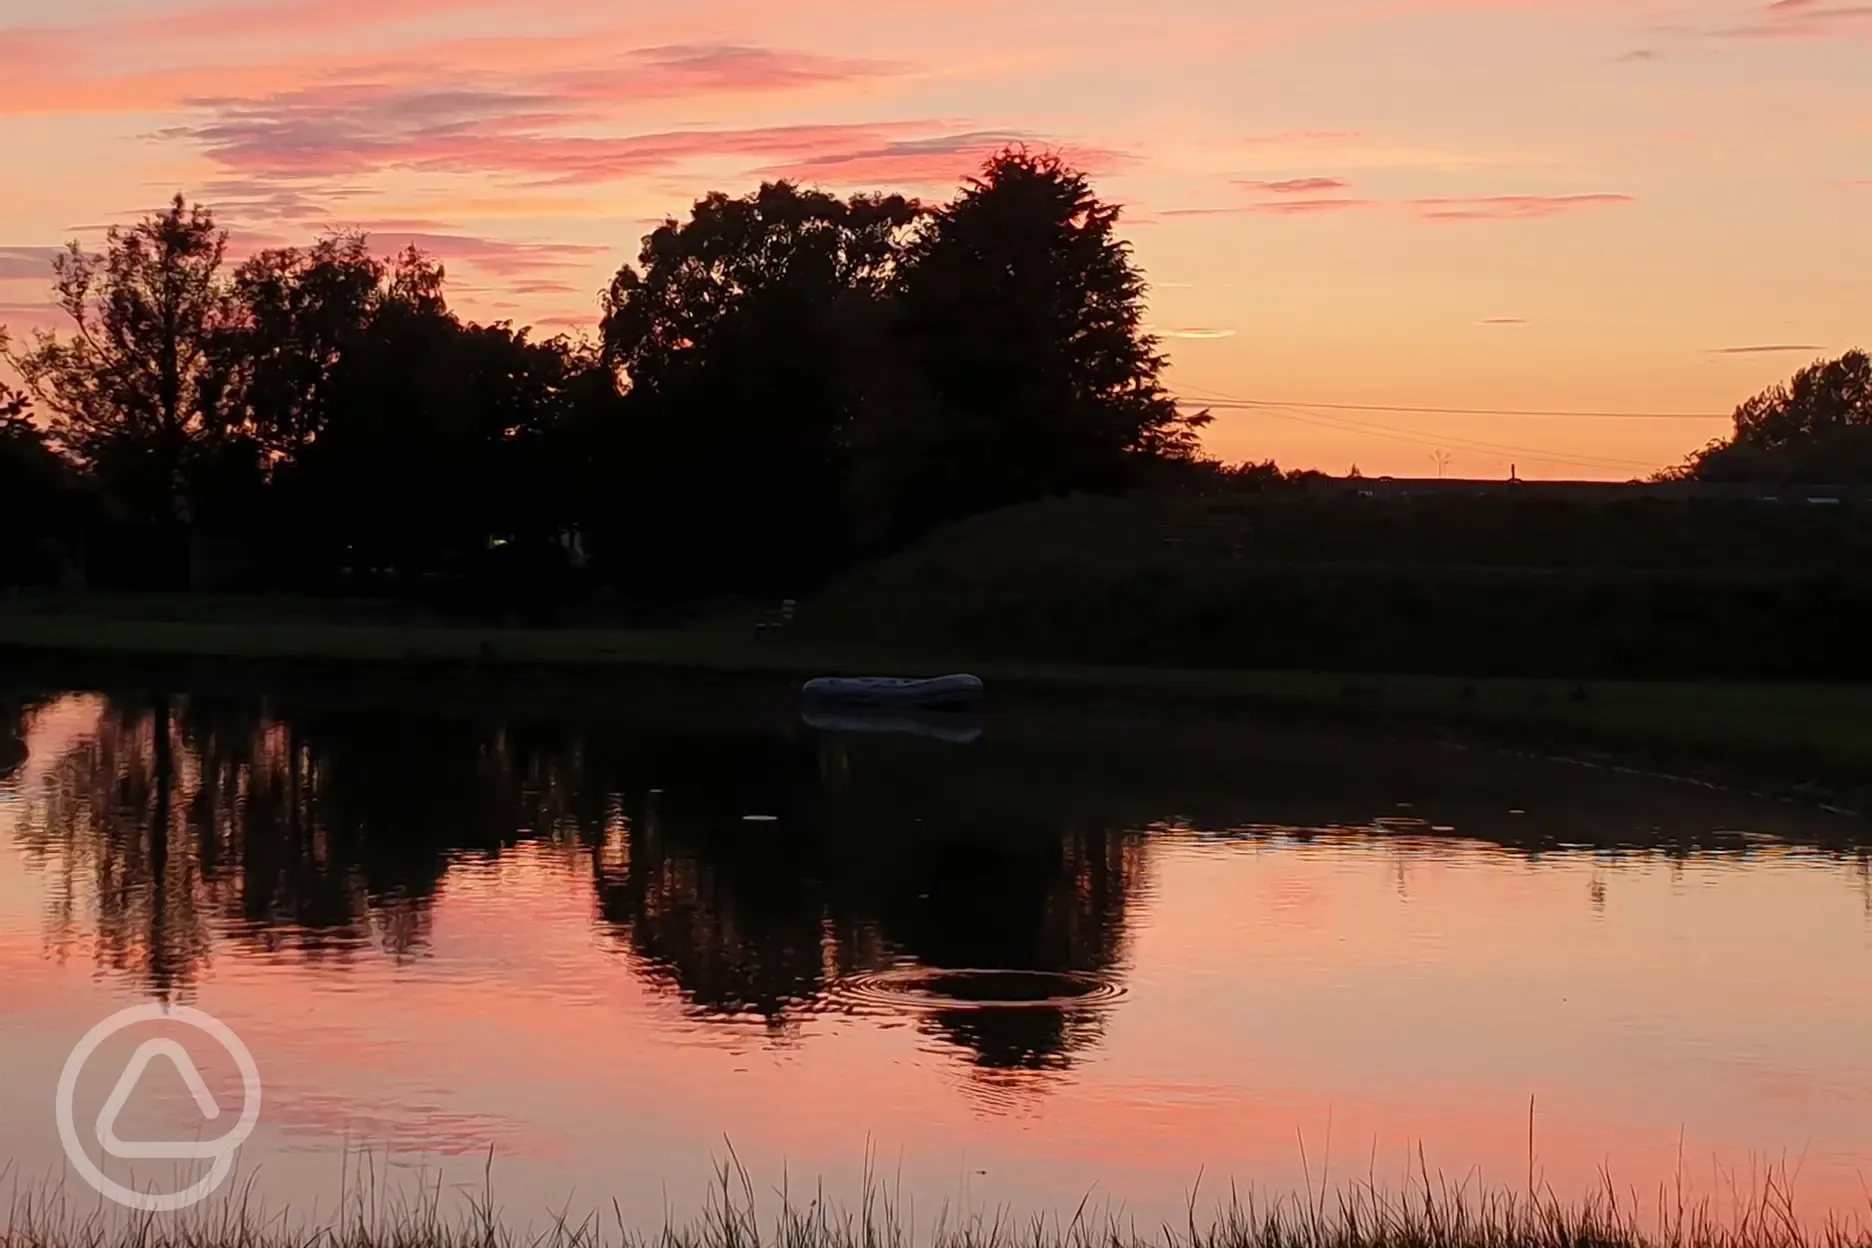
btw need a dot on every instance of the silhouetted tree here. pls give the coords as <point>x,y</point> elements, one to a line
<point>1023,313</point>
<point>745,342</point>
<point>38,496</point>
<point>437,438</point>
<point>301,314</point>
<point>779,249</point>
<point>786,381</point>
<point>15,408</point>
<point>14,710</point>
<point>137,391</point>
<point>1815,428</point>
<point>27,465</point>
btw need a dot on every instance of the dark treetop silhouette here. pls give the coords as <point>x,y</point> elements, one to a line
<point>1815,429</point>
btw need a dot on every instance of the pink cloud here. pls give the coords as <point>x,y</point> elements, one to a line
<point>1801,19</point>
<point>738,67</point>
<point>347,131</point>
<point>27,262</point>
<point>305,17</point>
<point>261,198</point>
<point>939,160</point>
<point>497,257</point>
<point>1299,138</point>
<point>554,127</point>
<point>1298,186</point>
<point>21,318</point>
<point>1512,207</point>
<point>532,268</point>
<point>1774,349</point>
<point>1480,208</point>
<point>1277,208</point>
<point>402,225</point>
<point>1310,207</point>
<point>578,76</point>
<point>282,151</point>
<point>539,286</point>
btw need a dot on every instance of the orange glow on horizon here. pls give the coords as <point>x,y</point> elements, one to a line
<point>1571,205</point>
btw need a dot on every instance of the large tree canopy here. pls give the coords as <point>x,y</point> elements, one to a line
<point>137,391</point>
<point>303,314</point>
<point>1023,313</point>
<point>746,341</point>
<point>406,438</point>
<point>1817,427</point>
<point>786,256</point>
<point>811,377</point>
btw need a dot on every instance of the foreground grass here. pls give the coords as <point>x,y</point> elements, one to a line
<point>1429,1213</point>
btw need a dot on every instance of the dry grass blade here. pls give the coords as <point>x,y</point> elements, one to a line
<point>1432,1212</point>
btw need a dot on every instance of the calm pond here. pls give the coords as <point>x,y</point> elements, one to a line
<point>1016,959</point>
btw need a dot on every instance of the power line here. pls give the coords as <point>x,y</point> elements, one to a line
<point>1228,403</point>
<point>1345,424</point>
<point>1328,416</point>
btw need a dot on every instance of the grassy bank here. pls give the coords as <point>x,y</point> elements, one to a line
<point>1452,587</point>
<point>1427,1213</point>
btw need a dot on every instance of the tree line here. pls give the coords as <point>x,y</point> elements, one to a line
<point>784,382</point>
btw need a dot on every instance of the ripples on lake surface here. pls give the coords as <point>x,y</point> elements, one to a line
<point>1020,958</point>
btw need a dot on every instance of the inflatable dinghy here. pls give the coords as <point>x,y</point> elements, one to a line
<point>956,690</point>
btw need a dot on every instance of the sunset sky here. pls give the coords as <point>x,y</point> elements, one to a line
<point>1577,205</point>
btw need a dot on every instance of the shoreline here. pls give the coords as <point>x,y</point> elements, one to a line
<point>1809,741</point>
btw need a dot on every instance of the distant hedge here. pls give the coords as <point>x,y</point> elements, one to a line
<point>1477,587</point>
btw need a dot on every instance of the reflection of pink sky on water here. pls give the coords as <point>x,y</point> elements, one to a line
<point>1393,993</point>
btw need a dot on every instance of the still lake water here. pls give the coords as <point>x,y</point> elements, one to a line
<point>1084,952</point>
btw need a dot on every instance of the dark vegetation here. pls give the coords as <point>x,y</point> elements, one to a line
<point>786,382</point>
<point>945,424</point>
<point>1427,1210</point>
<point>1816,428</point>
<point>1439,585</point>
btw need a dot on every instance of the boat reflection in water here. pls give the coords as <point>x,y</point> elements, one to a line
<point>955,727</point>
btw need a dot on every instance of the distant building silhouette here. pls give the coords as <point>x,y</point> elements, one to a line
<point>1591,491</point>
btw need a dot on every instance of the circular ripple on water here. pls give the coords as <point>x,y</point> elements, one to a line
<point>921,988</point>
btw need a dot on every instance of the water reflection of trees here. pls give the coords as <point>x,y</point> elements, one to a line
<point>111,822</point>
<point>853,865</point>
<point>12,735</point>
<point>174,817</point>
<point>181,827</point>
<point>178,828</point>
